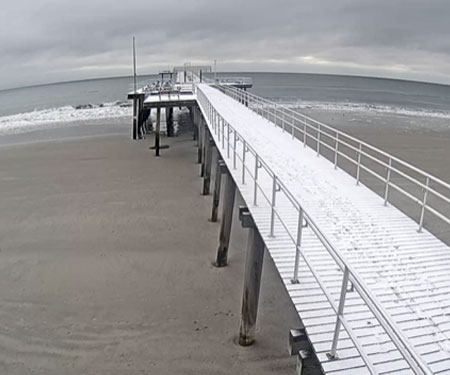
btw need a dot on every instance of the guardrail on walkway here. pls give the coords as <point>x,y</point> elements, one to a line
<point>228,139</point>
<point>359,153</point>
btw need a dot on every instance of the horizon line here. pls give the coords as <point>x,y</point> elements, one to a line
<point>227,72</point>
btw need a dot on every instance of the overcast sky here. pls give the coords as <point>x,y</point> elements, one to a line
<point>57,40</point>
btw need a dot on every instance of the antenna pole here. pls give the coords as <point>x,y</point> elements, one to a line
<point>134,62</point>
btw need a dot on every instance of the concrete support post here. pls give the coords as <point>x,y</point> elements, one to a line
<point>157,131</point>
<point>225,226</point>
<point>169,121</point>
<point>252,279</point>
<point>135,111</point>
<point>220,168</point>
<point>205,146</point>
<point>195,123</point>
<point>200,139</point>
<point>307,363</point>
<point>297,341</point>
<point>208,164</point>
<point>141,117</point>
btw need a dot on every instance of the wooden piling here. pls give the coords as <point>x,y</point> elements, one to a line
<point>157,131</point>
<point>200,139</point>
<point>252,279</point>
<point>195,127</point>
<point>140,117</point>
<point>227,216</point>
<point>208,164</point>
<point>220,168</point>
<point>169,121</point>
<point>204,147</point>
<point>134,130</point>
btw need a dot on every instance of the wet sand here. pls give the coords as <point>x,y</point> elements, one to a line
<point>106,268</point>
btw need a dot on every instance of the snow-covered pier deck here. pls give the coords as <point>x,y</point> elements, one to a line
<point>370,283</point>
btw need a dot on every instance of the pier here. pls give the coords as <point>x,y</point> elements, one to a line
<point>349,228</point>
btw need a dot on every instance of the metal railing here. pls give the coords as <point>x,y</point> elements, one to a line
<point>362,155</point>
<point>234,80</point>
<point>227,140</point>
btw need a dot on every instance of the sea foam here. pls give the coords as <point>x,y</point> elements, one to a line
<point>53,117</point>
<point>364,107</point>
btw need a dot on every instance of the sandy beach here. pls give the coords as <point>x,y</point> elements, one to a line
<point>106,268</point>
<point>106,258</point>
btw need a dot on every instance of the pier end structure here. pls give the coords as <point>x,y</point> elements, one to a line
<point>174,89</point>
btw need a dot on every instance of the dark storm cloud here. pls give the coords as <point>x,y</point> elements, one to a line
<point>51,40</point>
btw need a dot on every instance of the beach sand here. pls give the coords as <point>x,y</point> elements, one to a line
<point>106,256</point>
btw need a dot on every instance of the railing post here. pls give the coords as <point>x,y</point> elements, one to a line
<point>273,203</point>
<point>293,127</point>
<point>228,140</point>
<point>223,133</point>
<point>358,168</point>
<point>244,151</point>
<point>424,203</point>
<point>283,120</point>
<point>218,128</point>
<point>336,150</point>
<point>234,149</point>
<point>215,121</point>
<point>388,178</point>
<point>255,186</point>
<point>275,114</point>
<point>304,132</point>
<point>337,328</point>
<point>297,246</point>
<point>318,140</point>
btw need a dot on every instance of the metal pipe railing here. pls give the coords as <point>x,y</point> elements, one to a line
<point>317,132</point>
<point>349,274</point>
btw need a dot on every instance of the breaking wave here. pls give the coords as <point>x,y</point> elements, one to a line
<point>48,118</point>
<point>363,107</point>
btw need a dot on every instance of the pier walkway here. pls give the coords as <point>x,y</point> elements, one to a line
<point>370,284</point>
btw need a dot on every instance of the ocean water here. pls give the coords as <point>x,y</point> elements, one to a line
<point>356,101</point>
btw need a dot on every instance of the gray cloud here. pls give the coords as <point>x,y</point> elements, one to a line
<point>53,40</point>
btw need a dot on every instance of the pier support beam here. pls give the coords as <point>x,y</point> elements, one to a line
<point>200,139</point>
<point>297,341</point>
<point>225,225</point>
<point>220,168</point>
<point>307,363</point>
<point>205,136</point>
<point>135,113</point>
<point>252,279</point>
<point>140,117</point>
<point>209,143</point>
<point>169,121</point>
<point>148,121</point>
<point>157,131</point>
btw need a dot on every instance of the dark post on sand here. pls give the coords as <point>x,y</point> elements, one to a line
<point>252,279</point>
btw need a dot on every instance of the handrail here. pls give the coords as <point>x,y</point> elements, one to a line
<point>349,274</point>
<point>317,131</point>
